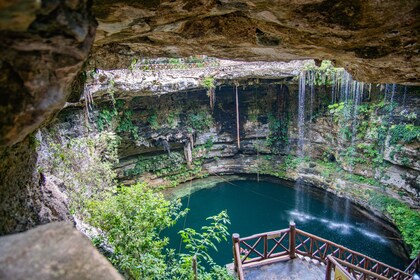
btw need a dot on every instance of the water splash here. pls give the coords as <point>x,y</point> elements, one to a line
<point>343,228</point>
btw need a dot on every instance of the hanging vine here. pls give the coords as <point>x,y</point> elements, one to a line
<point>209,84</point>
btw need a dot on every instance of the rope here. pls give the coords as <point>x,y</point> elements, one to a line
<point>277,200</point>
<point>186,215</point>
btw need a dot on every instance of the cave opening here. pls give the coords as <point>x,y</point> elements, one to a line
<point>107,106</point>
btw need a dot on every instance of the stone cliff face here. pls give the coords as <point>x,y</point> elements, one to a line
<point>45,43</point>
<point>181,137</point>
<point>43,47</point>
<point>365,37</point>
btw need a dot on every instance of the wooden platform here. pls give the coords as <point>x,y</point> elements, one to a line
<point>286,269</point>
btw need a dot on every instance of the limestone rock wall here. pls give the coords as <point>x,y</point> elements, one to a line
<point>43,48</point>
<point>181,137</point>
<point>375,41</point>
<point>28,197</point>
<point>53,251</point>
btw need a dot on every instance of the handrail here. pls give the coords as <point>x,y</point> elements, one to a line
<point>414,265</point>
<point>350,270</point>
<point>306,244</point>
<point>331,261</point>
<point>312,247</point>
<point>237,256</point>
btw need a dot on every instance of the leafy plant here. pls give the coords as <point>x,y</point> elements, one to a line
<point>208,83</point>
<point>199,121</point>
<point>406,219</point>
<point>406,133</point>
<point>278,136</point>
<point>198,243</point>
<point>125,124</point>
<point>131,222</point>
<point>105,119</point>
<point>84,164</point>
<point>153,121</point>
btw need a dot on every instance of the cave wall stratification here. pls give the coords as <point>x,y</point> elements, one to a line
<point>269,134</point>
<point>43,47</point>
<point>375,42</point>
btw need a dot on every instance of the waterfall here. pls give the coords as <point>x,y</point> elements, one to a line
<point>386,92</point>
<point>301,114</point>
<point>391,108</point>
<point>237,119</point>
<point>311,75</point>
<point>358,93</point>
<point>333,87</point>
<point>405,93</point>
<point>346,86</point>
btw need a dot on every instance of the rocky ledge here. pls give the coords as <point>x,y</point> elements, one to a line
<point>375,41</point>
<point>158,79</point>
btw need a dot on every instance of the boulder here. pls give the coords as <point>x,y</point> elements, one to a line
<point>53,251</point>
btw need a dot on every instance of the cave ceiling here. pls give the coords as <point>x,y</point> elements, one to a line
<point>376,41</point>
<point>45,43</point>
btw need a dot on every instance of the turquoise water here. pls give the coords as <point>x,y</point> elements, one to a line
<point>255,207</point>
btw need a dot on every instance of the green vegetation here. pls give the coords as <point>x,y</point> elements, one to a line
<point>105,119</point>
<point>132,221</point>
<point>161,165</point>
<point>153,121</point>
<point>208,83</point>
<point>322,75</point>
<point>125,124</point>
<point>117,119</point>
<point>84,164</point>
<point>406,219</point>
<point>170,167</point>
<point>199,121</point>
<point>174,63</point>
<point>289,163</point>
<point>278,136</point>
<point>406,133</point>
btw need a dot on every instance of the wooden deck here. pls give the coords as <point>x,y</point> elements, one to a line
<point>295,254</point>
<point>285,268</point>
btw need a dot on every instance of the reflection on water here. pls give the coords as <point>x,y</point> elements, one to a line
<point>256,207</point>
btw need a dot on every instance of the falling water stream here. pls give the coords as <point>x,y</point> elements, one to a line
<point>301,114</point>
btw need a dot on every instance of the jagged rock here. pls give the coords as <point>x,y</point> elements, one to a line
<point>129,83</point>
<point>375,42</point>
<point>28,198</point>
<point>406,155</point>
<point>43,48</point>
<point>52,251</point>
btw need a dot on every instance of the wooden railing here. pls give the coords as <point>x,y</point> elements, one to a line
<point>414,266</point>
<point>332,264</point>
<point>290,242</point>
<point>318,248</point>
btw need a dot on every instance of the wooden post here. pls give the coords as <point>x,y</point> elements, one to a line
<point>328,270</point>
<point>194,267</point>
<point>292,240</point>
<point>237,118</point>
<point>237,262</point>
<point>236,259</point>
<point>265,246</point>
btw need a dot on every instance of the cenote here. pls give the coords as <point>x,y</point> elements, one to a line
<point>255,207</point>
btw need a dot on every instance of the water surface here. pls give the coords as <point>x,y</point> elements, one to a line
<point>255,207</point>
